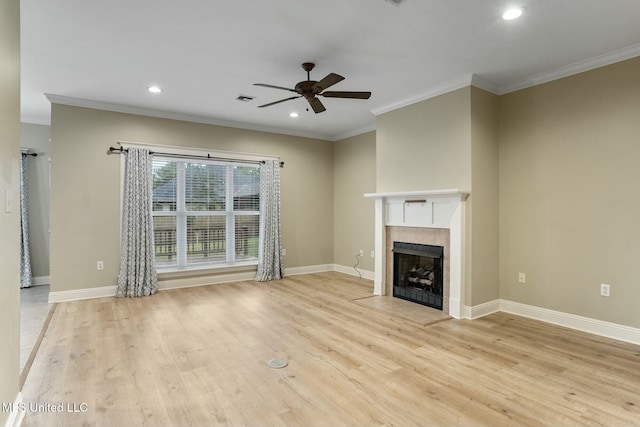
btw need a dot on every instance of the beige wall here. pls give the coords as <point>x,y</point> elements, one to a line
<point>483,202</point>
<point>354,173</point>
<point>425,146</point>
<point>36,138</point>
<point>85,188</point>
<point>569,205</point>
<point>9,182</point>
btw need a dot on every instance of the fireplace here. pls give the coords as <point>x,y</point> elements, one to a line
<point>418,273</point>
<point>431,211</point>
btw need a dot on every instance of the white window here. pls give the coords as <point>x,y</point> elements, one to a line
<point>205,213</point>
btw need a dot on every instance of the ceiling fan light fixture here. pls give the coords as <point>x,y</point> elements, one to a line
<point>154,89</point>
<point>513,13</point>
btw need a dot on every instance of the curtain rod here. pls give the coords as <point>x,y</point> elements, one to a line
<point>30,154</point>
<point>113,150</point>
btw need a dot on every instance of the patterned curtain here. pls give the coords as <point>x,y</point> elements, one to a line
<point>270,257</point>
<point>137,260</point>
<point>25,257</point>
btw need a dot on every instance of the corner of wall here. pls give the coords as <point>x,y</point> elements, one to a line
<point>9,197</point>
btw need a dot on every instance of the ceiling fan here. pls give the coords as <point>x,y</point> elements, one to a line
<point>310,89</point>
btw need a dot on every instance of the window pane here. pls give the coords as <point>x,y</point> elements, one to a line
<point>247,235</point>
<point>164,234</point>
<point>246,188</point>
<point>205,187</point>
<point>206,240</point>
<point>164,185</point>
<point>190,196</point>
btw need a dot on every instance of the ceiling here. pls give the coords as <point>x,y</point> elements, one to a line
<point>204,53</point>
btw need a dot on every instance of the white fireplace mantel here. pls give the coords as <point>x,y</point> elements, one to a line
<point>428,209</point>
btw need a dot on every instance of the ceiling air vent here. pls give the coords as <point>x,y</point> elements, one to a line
<point>244,98</point>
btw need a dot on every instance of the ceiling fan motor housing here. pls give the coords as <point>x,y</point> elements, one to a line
<point>309,89</point>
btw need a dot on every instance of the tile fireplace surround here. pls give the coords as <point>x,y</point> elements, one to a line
<point>420,214</point>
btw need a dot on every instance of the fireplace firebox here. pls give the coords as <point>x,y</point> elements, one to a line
<point>417,273</point>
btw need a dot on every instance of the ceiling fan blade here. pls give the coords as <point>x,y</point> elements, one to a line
<point>330,80</point>
<point>316,105</point>
<point>278,102</point>
<point>275,87</point>
<point>339,94</point>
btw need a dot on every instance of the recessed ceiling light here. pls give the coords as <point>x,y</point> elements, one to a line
<point>512,13</point>
<point>294,114</point>
<point>154,89</point>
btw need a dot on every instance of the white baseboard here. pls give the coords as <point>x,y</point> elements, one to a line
<point>480,310</point>
<point>321,268</point>
<point>238,277</point>
<point>40,280</point>
<point>183,282</point>
<point>17,412</point>
<point>79,294</point>
<point>308,269</point>
<point>190,282</point>
<point>585,324</point>
<point>572,321</point>
<point>365,274</point>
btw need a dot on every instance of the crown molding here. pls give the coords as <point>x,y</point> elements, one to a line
<point>450,86</point>
<point>575,68</point>
<point>34,120</point>
<point>482,83</point>
<point>355,132</point>
<point>537,79</point>
<point>446,87</point>
<point>127,109</point>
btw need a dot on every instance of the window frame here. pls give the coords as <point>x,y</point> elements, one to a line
<point>190,154</point>
<point>182,215</point>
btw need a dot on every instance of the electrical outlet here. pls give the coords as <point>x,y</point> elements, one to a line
<point>522,278</point>
<point>100,265</point>
<point>605,290</point>
<point>284,252</point>
<point>373,254</point>
<point>361,252</point>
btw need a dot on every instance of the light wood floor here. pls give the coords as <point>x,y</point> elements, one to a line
<point>199,356</point>
<point>34,312</point>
